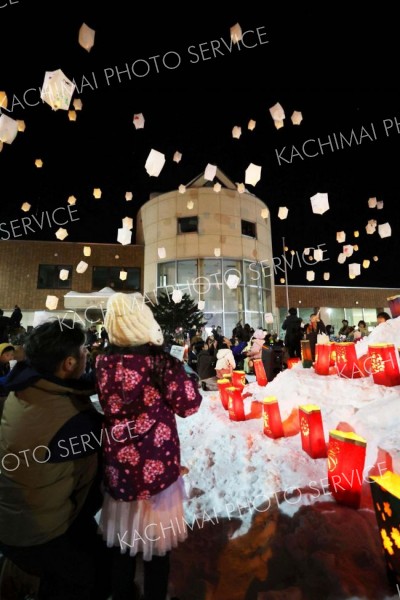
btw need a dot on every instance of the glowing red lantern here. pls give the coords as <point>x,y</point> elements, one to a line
<point>333,354</point>
<point>346,360</point>
<point>346,459</point>
<point>384,365</point>
<point>238,379</point>
<point>312,431</point>
<point>261,375</point>
<point>394,305</point>
<point>385,490</point>
<point>291,362</point>
<point>322,359</point>
<point>223,394</point>
<point>272,418</point>
<point>306,355</point>
<point>235,404</point>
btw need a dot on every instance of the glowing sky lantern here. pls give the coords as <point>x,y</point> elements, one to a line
<point>26,207</point>
<point>341,258</point>
<point>138,121</point>
<point>64,274</point>
<point>123,275</point>
<point>86,37</point>
<point>210,172</point>
<point>190,204</point>
<point>177,157</point>
<point>3,100</point>
<point>379,205</point>
<point>264,213</point>
<point>124,236</point>
<point>127,223</point>
<point>182,189</point>
<point>384,230</point>
<point>217,187</point>
<point>327,276</point>
<point>97,193</point>
<point>348,250</point>
<point>310,275</point>
<point>372,202</point>
<point>277,112</point>
<point>61,233</point>
<point>71,200</point>
<point>72,115</point>
<point>236,132</point>
<point>38,163</point>
<point>269,318</point>
<point>177,296</point>
<point>283,212</point>
<point>232,281</point>
<point>77,104</point>
<point>319,203</point>
<point>366,264</point>
<point>240,188</point>
<point>162,253</point>
<point>318,255</point>
<point>8,129</point>
<point>236,33</point>
<point>87,251</point>
<point>370,228</point>
<point>81,267</point>
<point>340,237</point>
<point>21,125</point>
<point>51,302</point>
<point>128,196</point>
<point>251,125</point>
<point>253,174</point>
<point>354,269</point>
<point>217,252</point>
<point>154,163</point>
<point>57,90</point>
<point>1,145</point>
<point>296,117</point>
<point>201,305</point>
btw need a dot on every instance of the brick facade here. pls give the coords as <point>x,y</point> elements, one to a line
<point>334,297</point>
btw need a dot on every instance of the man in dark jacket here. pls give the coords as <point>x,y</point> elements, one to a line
<point>294,333</point>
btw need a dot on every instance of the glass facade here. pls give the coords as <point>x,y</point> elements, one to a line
<point>213,280</point>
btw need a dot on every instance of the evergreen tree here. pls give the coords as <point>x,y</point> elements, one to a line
<point>172,316</point>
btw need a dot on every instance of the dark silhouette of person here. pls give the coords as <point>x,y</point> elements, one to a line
<point>294,333</point>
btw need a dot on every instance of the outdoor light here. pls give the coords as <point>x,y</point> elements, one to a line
<point>346,360</point>
<point>235,404</point>
<point>384,365</point>
<point>223,394</point>
<point>312,431</point>
<point>306,356</point>
<point>238,379</point>
<point>259,369</point>
<point>272,420</point>
<point>394,305</point>
<point>346,459</point>
<point>322,358</point>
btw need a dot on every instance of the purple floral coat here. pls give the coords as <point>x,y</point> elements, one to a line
<point>140,438</point>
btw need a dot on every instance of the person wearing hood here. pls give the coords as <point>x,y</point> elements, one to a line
<point>141,388</point>
<point>257,343</point>
<point>225,360</point>
<point>49,480</point>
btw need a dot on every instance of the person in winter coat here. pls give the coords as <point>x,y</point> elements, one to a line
<point>141,388</point>
<point>257,343</point>
<point>314,327</point>
<point>294,332</point>
<point>225,360</point>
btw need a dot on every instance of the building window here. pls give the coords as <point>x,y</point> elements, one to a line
<point>188,224</point>
<point>49,277</point>
<point>109,277</point>
<point>249,229</point>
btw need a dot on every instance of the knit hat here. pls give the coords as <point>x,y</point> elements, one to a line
<point>129,322</point>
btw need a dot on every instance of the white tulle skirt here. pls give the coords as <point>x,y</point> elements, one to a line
<point>152,526</point>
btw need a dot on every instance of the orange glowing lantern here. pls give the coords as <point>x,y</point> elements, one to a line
<point>235,404</point>
<point>385,490</point>
<point>312,431</point>
<point>394,305</point>
<point>223,394</point>
<point>238,379</point>
<point>261,375</point>
<point>306,356</point>
<point>333,354</point>
<point>346,360</point>
<point>322,359</point>
<point>346,459</point>
<point>291,362</point>
<point>273,427</point>
<point>384,364</point>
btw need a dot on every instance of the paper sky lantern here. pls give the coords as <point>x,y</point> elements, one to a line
<point>277,112</point>
<point>222,384</point>
<point>123,275</point>
<point>354,269</point>
<point>356,234</point>
<point>346,459</point>
<point>283,212</point>
<point>240,188</point>
<point>77,104</point>
<point>217,187</point>
<point>279,124</point>
<point>341,258</point>
<point>86,37</point>
<point>217,252</point>
<point>340,237</point>
<point>81,267</point>
<point>375,258</point>
<point>97,193</point>
<point>236,33</point>
<point>394,305</point>
<point>264,213</point>
<point>269,318</point>
<point>322,359</point>
<point>251,125</point>
<point>235,404</point>
<point>3,100</point>
<point>190,204</point>
<point>201,305</point>
<point>71,200</point>
<point>124,236</point>
<point>346,360</point>
<point>310,275</point>
<point>319,203</point>
<point>272,421</point>
<point>1,145</point>
<point>236,132</point>
<point>355,247</point>
<point>384,364</point>
<point>26,207</point>
<point>177,296</point>
<point>61,233</point>
<point>259,370</point>
<point>128,196</point>
<point>138,121</point>
<point>232,281</point>
<point>282,280</point>
<point>385,491</point>
<point>372,202</point>
<point>253,174</point>
<point>379,205</point>
<point>177,157</point>
<point>296,117</point>
<point>210,172</point>
<point>57,90</point>
<point>318,255</point>
<point>21,125</point>
<point>87,251</point>
<point>8,129</point>
<point>312,431</point>
<point>384,230</point>
<point>127,223</point>
<point>327,276</point>
<point>64,274</point>
<point>154,163</point>
<point>348,250</point>
<point>72,115</point>
<point>51,302</point>
<point>366,264</point>
<point>306,356</point>
<point>162,253</point>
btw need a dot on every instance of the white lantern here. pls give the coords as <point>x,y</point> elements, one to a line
<point>61,233</point>
<point>123,275</point>
<point>128,196</point>
<point>177,296</point>
<point>81,267</point>
<point>327,276</point>
<point>162,253</point>
<point>375,258</point>
<point>236,33</point>
<point>77,104</point>
<point>236,132</point>
<point>21,125</point>
<point>86,37</point>
<point>232,281</point>
<point>310,275</point>
<point>278,124</point>
<point>87,251</point>
<point>318,255</point>
<point>251,125</point>
<point>154,163</point>
<point>124,236</point>
<point>51,302</point>
<point>190,204</point>
<point>379,205</point>
<point>217,252</point>
<point>283,212</point>
<point>64,274</point>
<point>201,304</point>
<point>97,193</point>
<point>253,174</point>
<point>341,258</point>
<point>71,200</point>
<point>277,112</point>
<point>26,207</point>
<point>366,263</point>
<point>210,172</point>
<point>138,121</point>
<point>177,157</point>
<point>217,187</point>
<point>127,223</point>
<point>269,318</point>
<point>8,129</point>
<point>348,250</point>
<point>182,189</point>
<point>340,237</point>
<point>72,115</point>
<point>296,117</point>
<point>57,90</point>
<point>240,188</point>
<point>264,213</point>
<point>384,230</point>
<point>372,202</point>
<point>354,269</point>
<point>319,203</point>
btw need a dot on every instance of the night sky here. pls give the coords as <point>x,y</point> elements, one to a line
<point>331,67</point>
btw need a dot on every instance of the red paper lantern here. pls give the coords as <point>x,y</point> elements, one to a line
<point>346,360</point>
<point>235,404</point>
<point>383,364</point>
<point>223,394</point>
<point>291,362</point>
<point>238,379</point>
<point>346,459</point>
<point>322,359</point>
<point>394,305</point>
<point>385,490</point>
<point>306,355</point>
<point>333,354</point>
<point>272,418</point>
<point>261,375</point>
<point>312,431</point>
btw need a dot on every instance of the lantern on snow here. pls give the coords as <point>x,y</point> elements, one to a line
<point>223,394</point>
<point>346,360</point>
<point>306,356</point>
<point>384,365</point>
<point>261,375</point>
<point>238,379</point>
<point>322,359</point>
<point>235,404</point>
<point>346,459</point>
<point>312,431</point>
<point>273,427</point>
